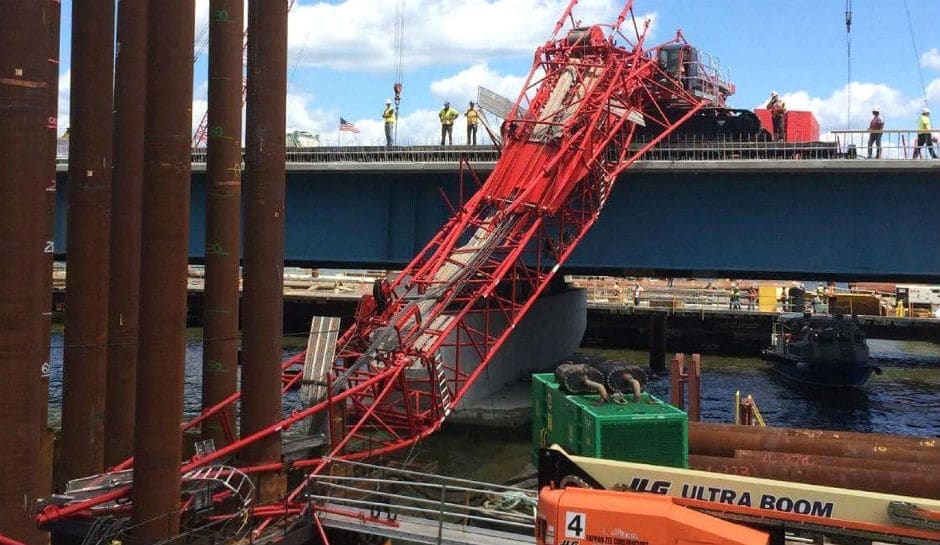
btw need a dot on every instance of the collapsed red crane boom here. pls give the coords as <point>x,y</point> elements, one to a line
<point>419,343</point>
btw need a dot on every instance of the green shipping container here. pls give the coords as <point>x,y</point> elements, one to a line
<point>646,431</point>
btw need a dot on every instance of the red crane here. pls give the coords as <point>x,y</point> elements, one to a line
<point>419,341</point>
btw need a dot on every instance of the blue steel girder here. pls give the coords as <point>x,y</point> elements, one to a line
<point>778,219</point>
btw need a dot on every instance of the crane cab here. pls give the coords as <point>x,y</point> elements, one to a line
<point>697,72</point>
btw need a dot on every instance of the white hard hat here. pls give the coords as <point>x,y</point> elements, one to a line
<point>876,109</point>
<point>773,93</point>
<point>388,101</point>
<point>925,111</point>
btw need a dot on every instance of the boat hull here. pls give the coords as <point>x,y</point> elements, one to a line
<point>840,374</point>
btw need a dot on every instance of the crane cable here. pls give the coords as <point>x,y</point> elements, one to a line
<point>399,60</point>
<point>920,72</point>
<point>848,55</point>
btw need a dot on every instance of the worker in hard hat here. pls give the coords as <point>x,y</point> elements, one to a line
<point>778,113</point>
<point>447,115</point>
<point>473,117</point>
<point>924,138</point>
<point>389,116</point>
<point>875,126</point>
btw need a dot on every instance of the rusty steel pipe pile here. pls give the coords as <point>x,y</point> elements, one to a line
<point>904,483</point>
<point>836,461</point>
<point>44,464</point>
<point>23,136</point>
<point>223,209</point>
<point>263,203</point>
<point>89,220</point>
<point>711,439</point>
<point>164,265</point>
<point>126,201</point>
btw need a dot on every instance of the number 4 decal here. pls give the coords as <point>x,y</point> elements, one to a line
<point>575,524</point>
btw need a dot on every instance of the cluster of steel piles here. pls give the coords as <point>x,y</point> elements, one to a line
<point>126,294</point>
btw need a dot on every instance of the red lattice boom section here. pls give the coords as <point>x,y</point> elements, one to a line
<point>414,350</point>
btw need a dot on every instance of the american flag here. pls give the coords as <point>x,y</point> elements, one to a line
<point>347,126</point>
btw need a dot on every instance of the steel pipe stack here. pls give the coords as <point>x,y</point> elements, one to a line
<point>723,439</point>
<point>892,464</point>
<point>263,309</point>
<point>904,483</point>
<point>89,220</point>
<point>223,208</point>
<point>124,289</point>
<point>23,150</point>
<point>164,263</point>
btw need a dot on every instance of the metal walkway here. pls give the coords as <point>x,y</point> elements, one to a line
<point>421,507</point>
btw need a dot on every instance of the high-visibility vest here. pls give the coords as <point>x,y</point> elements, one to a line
<point>472,116</point>
<point>924,122</point>
<point>447,116</point>
<point>389,114</point>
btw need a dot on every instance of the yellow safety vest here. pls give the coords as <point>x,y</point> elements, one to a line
<point>472,116</point>
<point>389,114</point>
<point>447,116</point>
<point>924,122</point>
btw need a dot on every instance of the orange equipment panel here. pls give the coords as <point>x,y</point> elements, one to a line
<point>581,516</point>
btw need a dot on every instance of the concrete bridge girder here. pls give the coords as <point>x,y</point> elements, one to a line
<point>775,219</point>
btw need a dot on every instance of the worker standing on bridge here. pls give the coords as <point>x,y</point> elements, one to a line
<point>874,131</point>
<point>637,290</point>
<point>473,117</point>
<point>778,113</point>
<point>735,299</point>
<point>924,138</point>
<point>389,116</point>
<point>447,115</point>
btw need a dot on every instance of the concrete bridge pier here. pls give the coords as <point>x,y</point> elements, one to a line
<point>548,333</point>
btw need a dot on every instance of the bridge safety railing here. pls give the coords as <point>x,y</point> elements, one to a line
<point>377,496</point>
<point>841,144</point>
<point>605,291</point>
<point>380,154</point>
<point>896,144</point>
<point>698,148</point>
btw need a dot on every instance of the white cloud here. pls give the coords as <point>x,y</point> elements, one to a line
<point>931,59</point>
<point>462,86</point>
<point>360,34</point>
<point>65,87</point>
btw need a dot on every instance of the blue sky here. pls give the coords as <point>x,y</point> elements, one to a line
<point>343,58</point>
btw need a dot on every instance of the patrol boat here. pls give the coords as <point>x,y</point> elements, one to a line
<point>820,349</point>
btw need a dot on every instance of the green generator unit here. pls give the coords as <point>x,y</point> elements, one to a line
<point>646,431</point>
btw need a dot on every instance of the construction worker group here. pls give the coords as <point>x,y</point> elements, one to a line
<point>447,116</point>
